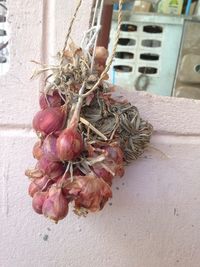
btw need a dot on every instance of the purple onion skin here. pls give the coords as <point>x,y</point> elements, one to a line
<point>49,120</point>
<point>69,144</point>
<point>37,185</point>
<point>55,206</point>
<point>53,100</point>
<point>51,168</point>
<point>38,201</point>
<point>49,148</point>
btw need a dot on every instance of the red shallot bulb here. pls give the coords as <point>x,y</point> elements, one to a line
<point>55,207</point>
<point>89,192</point>
<point>102,173</point>
<point>38,185</point>
<point>49,148</point>
<point>50,100</point>
<point>37,150</point>
<point>38,201</point>
<point>51,168</point>
<point>49,120</point>
<point>69,144</point>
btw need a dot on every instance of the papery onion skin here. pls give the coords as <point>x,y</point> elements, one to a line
<point>38,201</point>
<point>38,185</point>
<point>51,168</point>
<point>49,120</point>
<point>115,153</point>
<point>69,144</point>
<point>55,206</point>
<point>49,148</point>
<point>115,169</point>
<point>102,173</point>
<point>34,173</point>
<point>53,100</point>
<point>61,184</point>
<point>89,192</point>
<point>64,180</point>
<point>37,150</point>
<point>119,170</point>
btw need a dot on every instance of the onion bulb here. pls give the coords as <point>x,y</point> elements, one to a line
<point>38,201</point>
<point>69,144</point>
<point>38,185</point>
<point>48,100</point>
<point>55,207</point>
<point>89,192</point>
<point>49,148</point>
<point>51,168</point>
<point>49,120</point>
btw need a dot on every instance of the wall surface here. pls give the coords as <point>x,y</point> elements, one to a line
<point>153,218</point>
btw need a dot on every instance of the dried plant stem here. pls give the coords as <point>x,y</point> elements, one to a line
<point>66,170</point>
<point>90,126</point>
<point>45,186</point>
<point>107,169</point>
<point>71,173</point>
<point>95,160</point>
<point>76,115</point>
<point>70,29</point>
<point>158,150</point>
<point>115,127</point>
<point>113,52</point>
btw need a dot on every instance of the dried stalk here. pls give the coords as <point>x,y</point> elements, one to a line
<point>89,125</point>
<point>113,51</point>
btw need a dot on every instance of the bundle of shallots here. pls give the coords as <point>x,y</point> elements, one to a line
<point>86,137</point>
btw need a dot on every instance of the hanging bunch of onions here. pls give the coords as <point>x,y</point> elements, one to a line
<point>76,162</point>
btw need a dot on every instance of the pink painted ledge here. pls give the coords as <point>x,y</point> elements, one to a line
<point>168,114</point>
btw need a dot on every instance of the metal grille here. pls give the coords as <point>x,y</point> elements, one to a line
<point>147,53</point>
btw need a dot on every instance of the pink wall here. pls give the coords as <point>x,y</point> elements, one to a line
<point>154,217</point>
